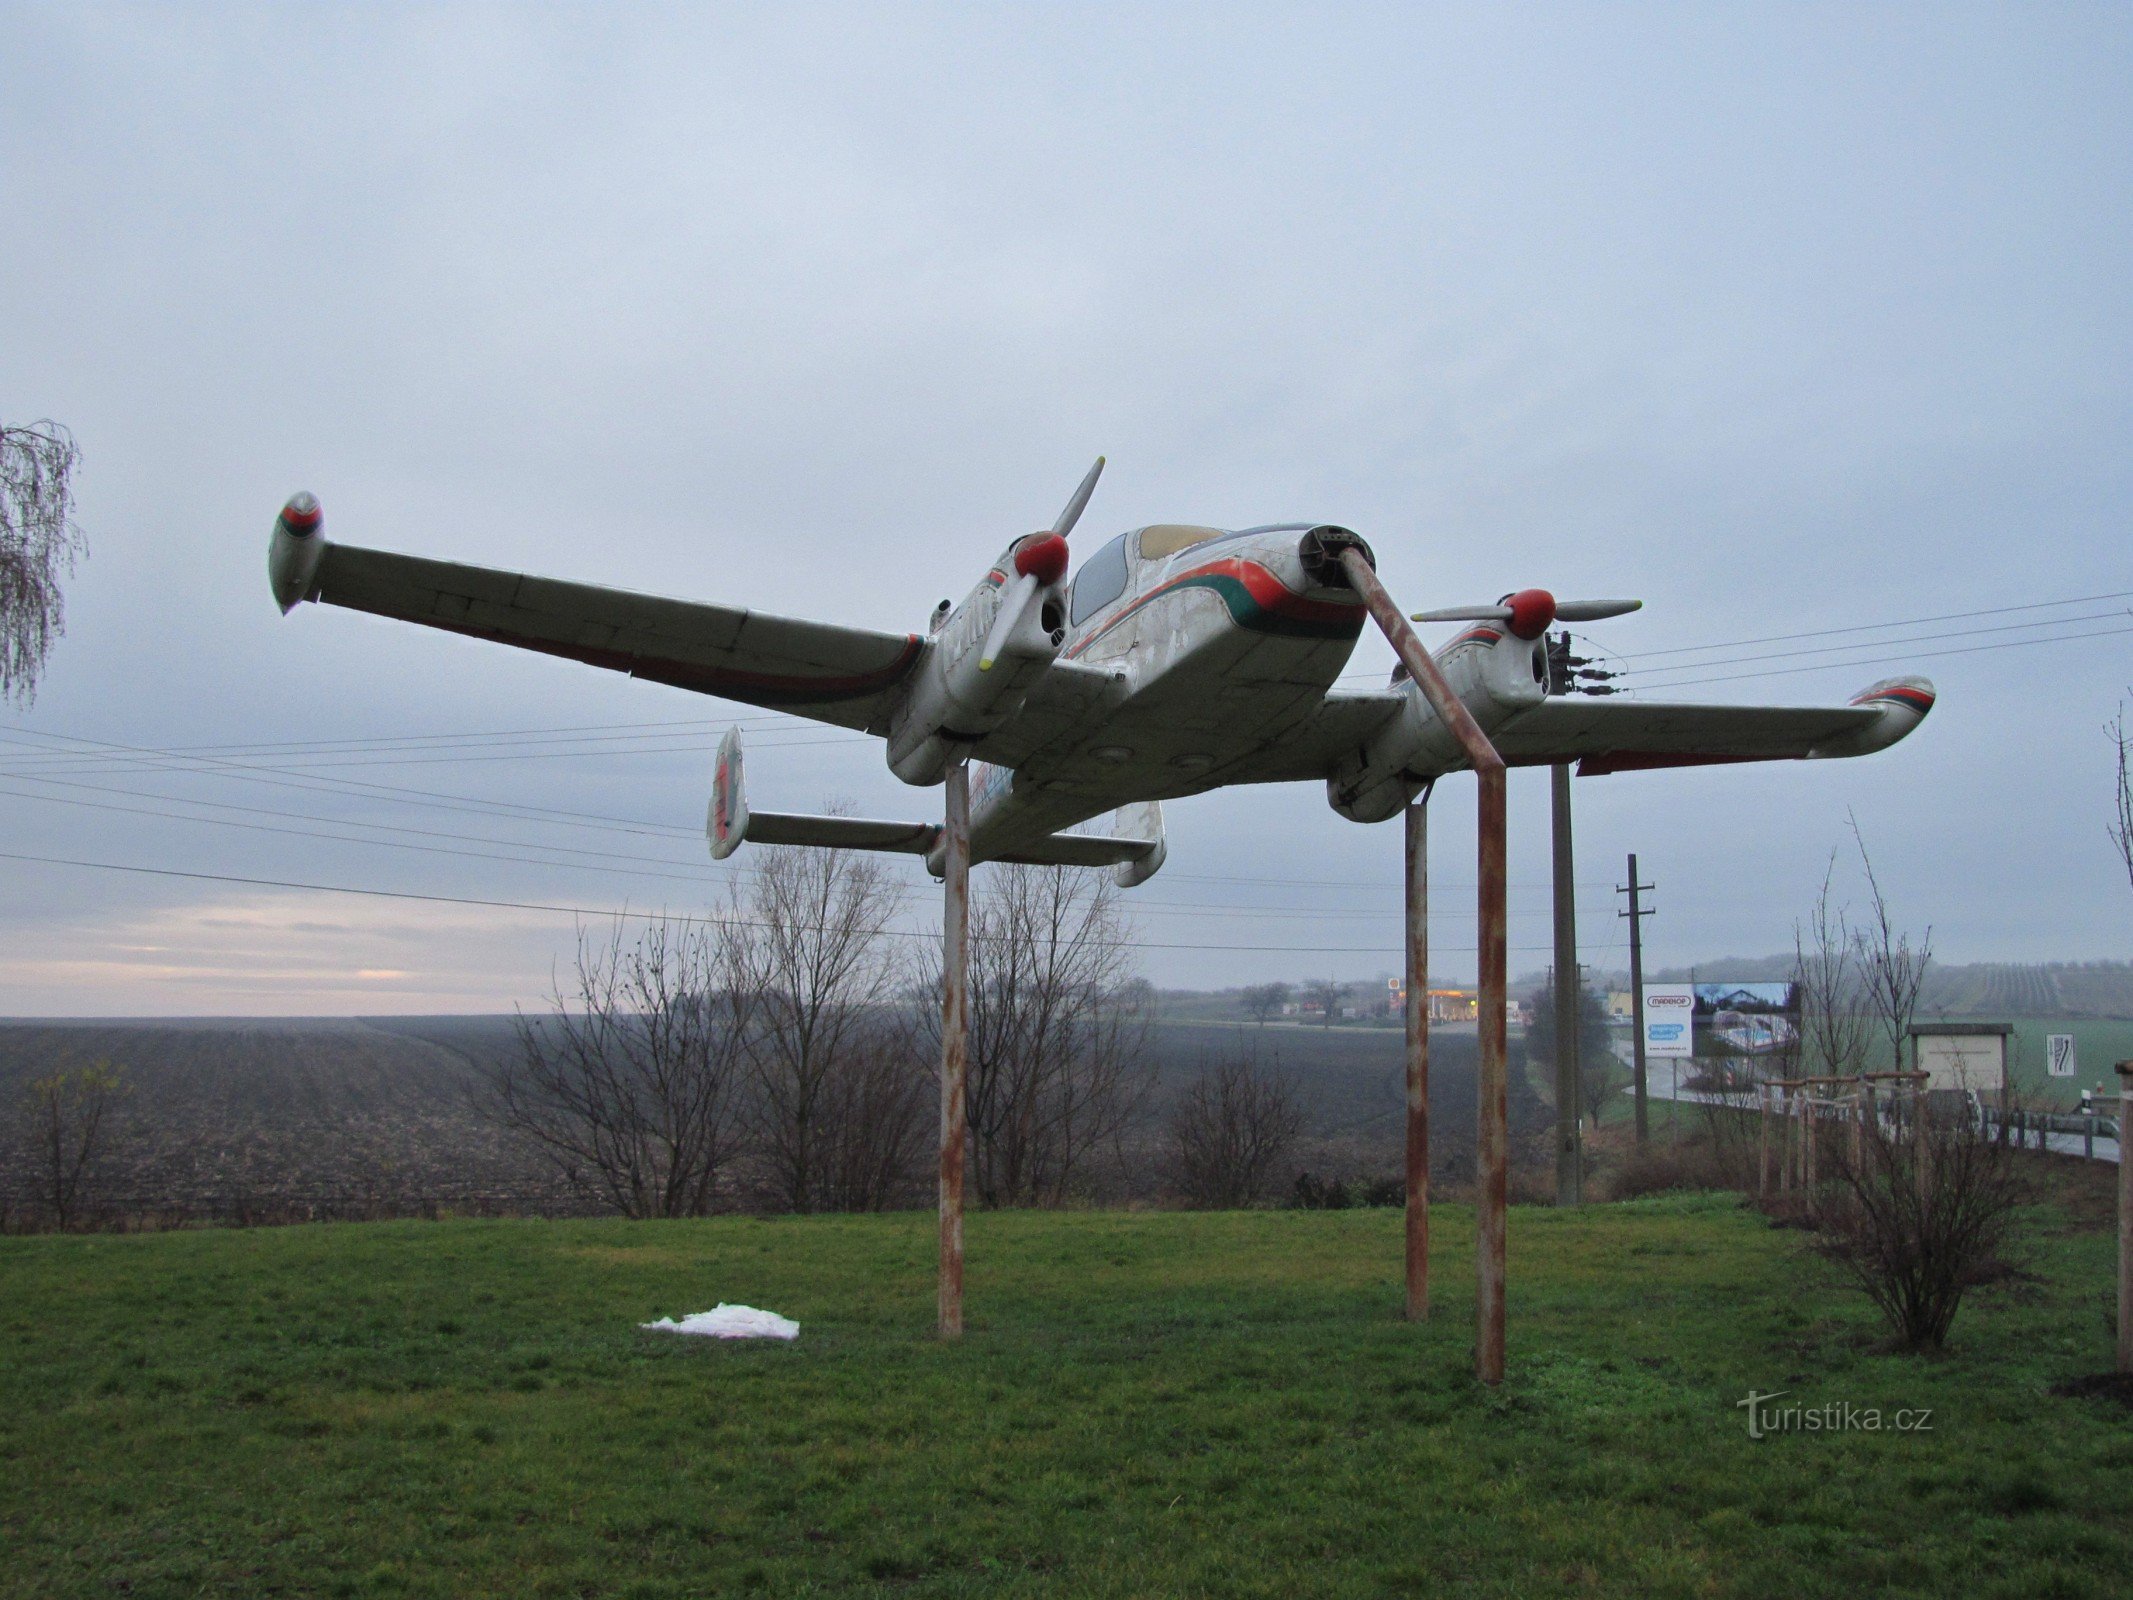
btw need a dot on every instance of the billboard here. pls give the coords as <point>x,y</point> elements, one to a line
<point>1746,1019</point>
<point>1668,1009</point>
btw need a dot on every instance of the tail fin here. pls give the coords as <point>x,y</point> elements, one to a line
<point>1142,821</point>
<point>727,823</point>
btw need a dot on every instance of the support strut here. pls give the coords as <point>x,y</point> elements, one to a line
<point>1492,1122</point>
<point>1418,1060</point>
<point>955,1040</point>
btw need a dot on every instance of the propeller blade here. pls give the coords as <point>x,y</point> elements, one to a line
<point>1594,610</point>
<point>1080,501</point>
<point>1465,614</point>
<point>1012,605</point>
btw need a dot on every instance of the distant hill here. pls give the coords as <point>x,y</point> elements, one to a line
<point>2067,989</point>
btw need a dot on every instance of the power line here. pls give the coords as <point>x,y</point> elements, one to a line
<point>1871,627</point>
<point>1387,949</point>
<point>1886,661</point>
<point>1931,638</point>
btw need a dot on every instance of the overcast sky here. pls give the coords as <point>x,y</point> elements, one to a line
<point>1783,318</point>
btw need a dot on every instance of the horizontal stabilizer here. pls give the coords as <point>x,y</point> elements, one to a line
<point>841,833</point>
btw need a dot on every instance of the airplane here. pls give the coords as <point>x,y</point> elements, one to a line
<point>1178,659</point>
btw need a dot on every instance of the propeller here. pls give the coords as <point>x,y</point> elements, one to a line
<point>1040,561</point>
<point>1530,611</point>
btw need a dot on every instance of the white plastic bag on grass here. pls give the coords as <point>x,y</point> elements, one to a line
<point>731,1322</point>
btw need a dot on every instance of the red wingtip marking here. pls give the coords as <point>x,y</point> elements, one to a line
<point>301,514</point>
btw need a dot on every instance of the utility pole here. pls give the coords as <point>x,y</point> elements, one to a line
<point>1569,1133</point>
<point>1636,913</point>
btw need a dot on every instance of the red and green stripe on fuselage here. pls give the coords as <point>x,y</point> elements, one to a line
<point>1256,599</point>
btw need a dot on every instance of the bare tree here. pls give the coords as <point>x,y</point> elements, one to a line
<point>1825,967</point>
<point>1229,1129</point>
<point>1891,968</point>
<point>70,1117</point>
<point>631,1087</point>
<point>1327,992</point>
<point>2122,826</point>
<point>1917,1243</point>
<point>824,974</point>
<point>39,544</point>
<point>1264,1000</point>
<point>1057,1028</point>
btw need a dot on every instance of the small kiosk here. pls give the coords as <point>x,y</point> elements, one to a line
<point>1963,1057</point>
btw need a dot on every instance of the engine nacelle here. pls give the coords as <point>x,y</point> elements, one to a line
<point>988,653</point>
<point>1493,671</point>
<point>295,549</point>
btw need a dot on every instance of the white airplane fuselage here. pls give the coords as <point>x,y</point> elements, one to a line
<point>1216,650</point>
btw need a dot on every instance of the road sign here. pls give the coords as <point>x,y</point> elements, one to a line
<point>2059,1055</point>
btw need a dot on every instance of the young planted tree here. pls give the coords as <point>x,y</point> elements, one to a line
<point>1891,969</point>
<point>1229,1130</point>
<point>631,1086</point>
<point>70,1114</point>
<point>1835,1027</point>
<point>39,544</point>
<point>836,1091</point>
<point>1058,1024</point>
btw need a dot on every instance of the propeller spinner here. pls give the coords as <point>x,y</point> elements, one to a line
<point>1040,561</point>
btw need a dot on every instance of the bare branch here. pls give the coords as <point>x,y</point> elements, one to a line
<point>39,544</point>
<point>1891,967</point>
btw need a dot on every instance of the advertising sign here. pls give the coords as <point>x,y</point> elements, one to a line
<point>1669,1011</point>
<point>1747,1019</point>
<point>2059,1055</point>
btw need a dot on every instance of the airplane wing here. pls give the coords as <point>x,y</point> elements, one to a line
<point>1606,736</point>
<point>1338,727</point>
<point>1067,696</point>
<point>817,670</point>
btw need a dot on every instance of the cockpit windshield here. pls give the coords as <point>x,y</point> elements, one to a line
<point>1168,538</point>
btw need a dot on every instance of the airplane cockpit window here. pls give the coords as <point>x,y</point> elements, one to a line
<point>1168,538</point>
<point>1101,580</point>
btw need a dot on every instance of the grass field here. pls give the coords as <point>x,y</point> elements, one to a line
<point>1146,1404</point>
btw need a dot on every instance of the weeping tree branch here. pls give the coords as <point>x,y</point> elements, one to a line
<point>39,544</point>
<point>2122,827</point>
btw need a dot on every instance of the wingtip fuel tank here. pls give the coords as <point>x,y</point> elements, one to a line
<point>295,548</point>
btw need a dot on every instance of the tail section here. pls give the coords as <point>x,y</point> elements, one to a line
<point>1135,850</point>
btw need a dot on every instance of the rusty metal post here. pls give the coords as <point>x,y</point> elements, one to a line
<point>1569,995</point>
<point>2125,1217</point>
<point>1418,1061</point>
<point>1492,1126</point>
<point>1491,1134</point>
<point>955,1041</point>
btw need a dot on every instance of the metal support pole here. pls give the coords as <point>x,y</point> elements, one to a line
<point>1418,1061</point>
<point>1569,987</point>
<point>1492,1124</point>
<point>1491,1134</point>
<point>2125,1217</point>
<point>955,1041</point>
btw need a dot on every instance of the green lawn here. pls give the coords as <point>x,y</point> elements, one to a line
<point>1154,1404</point>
